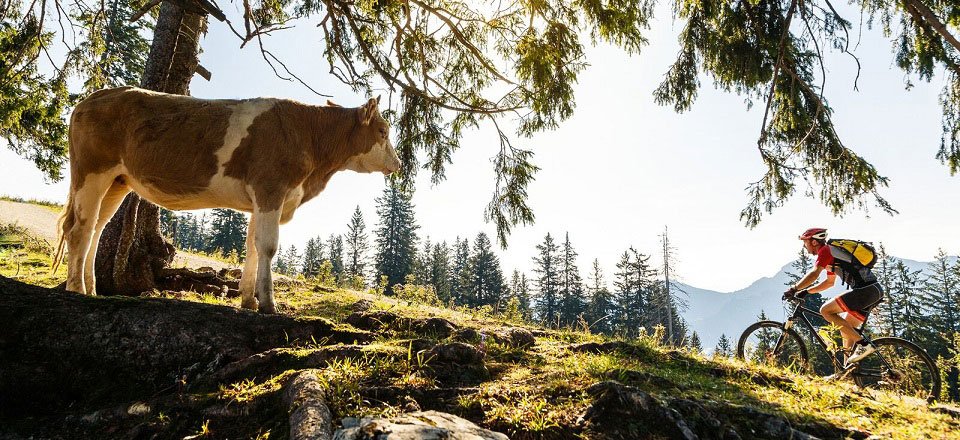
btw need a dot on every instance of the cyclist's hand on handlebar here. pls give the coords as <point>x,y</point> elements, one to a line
<point>801,293</point>
<point>789,294</point>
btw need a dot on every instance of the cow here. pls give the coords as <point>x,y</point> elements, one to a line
<point>265,156</point>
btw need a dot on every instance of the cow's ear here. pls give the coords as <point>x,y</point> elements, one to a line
<point>378,99</point>
<point>368,110</point>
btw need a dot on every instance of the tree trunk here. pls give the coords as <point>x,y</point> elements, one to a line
<point>132,251</point>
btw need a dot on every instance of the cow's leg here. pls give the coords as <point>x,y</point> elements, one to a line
<point>266,239</point>
<point>108,207</point>
<point>248,286</point>
<point>86,208</point>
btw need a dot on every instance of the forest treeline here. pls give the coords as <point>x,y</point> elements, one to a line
<point>395,257</point>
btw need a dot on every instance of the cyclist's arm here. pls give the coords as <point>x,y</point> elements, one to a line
<point>824,285</point>
<point>812,276</point>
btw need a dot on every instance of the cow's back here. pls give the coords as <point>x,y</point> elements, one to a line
<point>166,142</point>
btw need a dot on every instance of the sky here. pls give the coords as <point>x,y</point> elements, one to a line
<point>623,168</point>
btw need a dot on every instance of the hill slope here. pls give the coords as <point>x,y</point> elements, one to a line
<point>170,367</point>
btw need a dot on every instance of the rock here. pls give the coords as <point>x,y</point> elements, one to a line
<point>362,305</point>
<point>606,347</point>
<point>456,353</point>
<point>426,425</point>
<point>206,269</point>
<point>410,404</point>
<point>518,337</point>
<point>326,289</point>
<point>231,273</point>
<point>437,327</point>
<point>619,411</point>
<point>373,320</point>
<point>638,377</point>
<point>467,334</point>
<point>949,410</point>
<point>418,345</point>
<point>309,416</point>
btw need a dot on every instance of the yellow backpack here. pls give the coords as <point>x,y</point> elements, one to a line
<point>862,253</point>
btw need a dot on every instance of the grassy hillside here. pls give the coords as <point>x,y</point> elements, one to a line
<point>558,387</point>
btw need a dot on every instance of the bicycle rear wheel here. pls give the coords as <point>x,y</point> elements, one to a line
<point>767,343</point>
<point>900,366</point>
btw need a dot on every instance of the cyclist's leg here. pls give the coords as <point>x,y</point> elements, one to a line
<point>831,311</point>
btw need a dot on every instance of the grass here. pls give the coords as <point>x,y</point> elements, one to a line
<point>538,392</point>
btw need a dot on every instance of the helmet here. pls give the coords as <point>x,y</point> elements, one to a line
<point>816,233</point>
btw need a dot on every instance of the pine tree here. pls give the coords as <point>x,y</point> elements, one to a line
<point>905,295</point>
<point>695,343</point>
<point>356,245</point>
<point>460,277</point>
<point>600,309</point>
<point>634,279</point>
<point>312,257</point>
<point>294,259</point>
<point>547,266</point>
<point>572,297</point>
<point>520,289</point>
<point>440,271</point>
<point>723,347</point>
<point>486,278</point>
<point>888,315</point>
<point>335,244</point>
<point>396,236</point>
<point>423,262</point>
<point>280,261</point>
<point>941,292</point>
<point>228,231</point>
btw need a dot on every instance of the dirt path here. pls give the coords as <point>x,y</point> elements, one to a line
<point>41,221</point>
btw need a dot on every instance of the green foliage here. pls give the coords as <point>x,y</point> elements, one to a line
<point>31,104</point>
<point>770,50</point>
<point>356,246</point>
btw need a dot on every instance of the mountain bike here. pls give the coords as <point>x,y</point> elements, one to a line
<point>897,364</point>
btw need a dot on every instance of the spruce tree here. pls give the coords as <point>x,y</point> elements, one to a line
<point>888,319</point>
<point>941,292</point>
<point>423,262</point>
<point>634,279</point>
<point>486,278</point>
<point>520,289</point>
<point>695,343</point>
<point>440,271</point>
<point>396,235</point>
<point>355,242</point>
<point>600,309</point>
<point>723,347</point>
<point>228,231</point>
<point>572,297</point>
<point>547,266</point>
<point>335,245</point>
<point>291,258</point>
<point>312,257</point>
<point>905,296</point>
<point>280,261</point>
<point>460,276</point>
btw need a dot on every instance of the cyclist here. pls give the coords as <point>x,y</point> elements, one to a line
<point>864,295</point>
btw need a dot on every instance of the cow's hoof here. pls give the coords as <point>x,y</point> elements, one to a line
<point>268,309</point>
<point>249,305</point>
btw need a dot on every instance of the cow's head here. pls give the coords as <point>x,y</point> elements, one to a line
<point>373,130</point>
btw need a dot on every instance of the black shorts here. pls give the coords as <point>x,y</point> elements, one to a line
<point>858,302</point>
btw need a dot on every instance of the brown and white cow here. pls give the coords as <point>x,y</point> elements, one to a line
<point>265,156</point>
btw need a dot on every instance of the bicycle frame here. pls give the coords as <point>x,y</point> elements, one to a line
<point>798,314</point>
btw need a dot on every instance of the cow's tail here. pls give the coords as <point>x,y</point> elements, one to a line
<point>64,225</point>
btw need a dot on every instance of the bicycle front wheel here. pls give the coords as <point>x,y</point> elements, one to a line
<point>768,343</point>
<point>900,366</point>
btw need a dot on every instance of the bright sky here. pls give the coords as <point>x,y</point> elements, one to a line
<point>623,167</point>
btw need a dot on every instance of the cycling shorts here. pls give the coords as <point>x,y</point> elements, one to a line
<point>860,301</point>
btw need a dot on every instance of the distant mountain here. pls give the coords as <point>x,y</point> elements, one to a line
<point>711,313</point>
